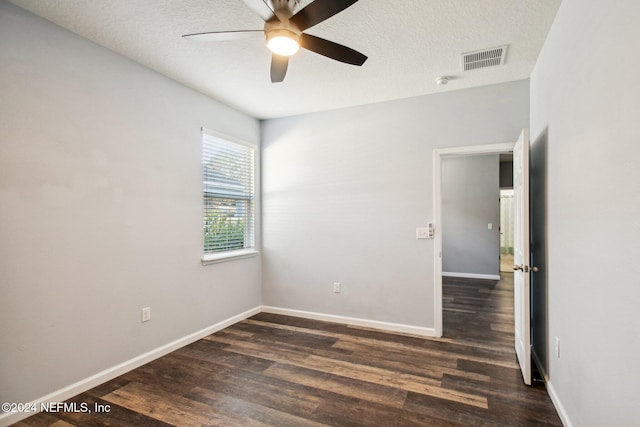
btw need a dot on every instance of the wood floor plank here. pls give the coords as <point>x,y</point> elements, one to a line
<point>353,412</point>
<point>170,373</point>
<point>267,391</point>
<point>516,391</point>
<point>370,352</point>
<point>248,409</point>
<point>116,416</point>
<point>285,336</point>
<point>448,411</point>
<point>359,372</point>
<point>174,409</point>
<point>206,351</point>
<point>515,412</point>
<point>40,420</point>
<point>371,392</point>
<point>394,379</point>
<point>53,423</point>
<point>274,353</point>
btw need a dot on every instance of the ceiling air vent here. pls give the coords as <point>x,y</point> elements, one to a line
<point>484,58</point>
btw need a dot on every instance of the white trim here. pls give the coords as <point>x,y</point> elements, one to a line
<point>437,244</point>
<point>222,135</point>
<point>562,413</point>
<point>472,275</point>
<point>551,391</point>
<point>111,373</point>
<point>229,256</point>
<point>394,327</point>
<point>469,150</point>
<point>438,153</point>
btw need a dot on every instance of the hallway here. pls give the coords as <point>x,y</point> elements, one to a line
<point>479,313</point>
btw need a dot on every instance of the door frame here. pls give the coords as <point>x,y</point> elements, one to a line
<point>438,154</point>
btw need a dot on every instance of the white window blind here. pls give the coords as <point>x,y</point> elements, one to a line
<point>228,189</point>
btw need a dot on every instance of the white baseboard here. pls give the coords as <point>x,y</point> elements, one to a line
<point>81,386</point>
<point>472,275</point>
<point>562,413</point>
<point>394,327</point>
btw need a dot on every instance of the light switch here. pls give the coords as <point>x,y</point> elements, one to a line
<point>490,226</point>
<point>425,233</point>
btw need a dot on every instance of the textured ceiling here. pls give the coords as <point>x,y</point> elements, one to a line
<point>409,44</point>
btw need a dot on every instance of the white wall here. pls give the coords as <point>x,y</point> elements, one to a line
<point>470,194</point>
<point>343,192</point>
<point>100,210</point>
<point>584,96</point>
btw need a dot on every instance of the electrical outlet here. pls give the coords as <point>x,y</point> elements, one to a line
<point>337,288</point>
<point>557,347</point>
<point>146,314</point>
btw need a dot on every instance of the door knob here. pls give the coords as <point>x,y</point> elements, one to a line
<point>518,267</point>
<point>535,269</point>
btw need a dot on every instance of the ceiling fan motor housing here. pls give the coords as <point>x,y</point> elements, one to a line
<point>289,5</point>
<point>280,25</point>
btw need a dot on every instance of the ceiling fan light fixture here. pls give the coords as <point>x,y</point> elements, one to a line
<point>284,35</point>
<point>283,42</point>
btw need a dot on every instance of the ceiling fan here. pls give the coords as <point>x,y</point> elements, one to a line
<point>284,31</point>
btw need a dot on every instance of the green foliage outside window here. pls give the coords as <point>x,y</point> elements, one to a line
<point>222,232</point>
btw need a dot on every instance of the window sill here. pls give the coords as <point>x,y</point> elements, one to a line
<point>229,256</point>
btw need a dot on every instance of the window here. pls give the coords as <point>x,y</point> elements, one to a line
<point>228,190</point>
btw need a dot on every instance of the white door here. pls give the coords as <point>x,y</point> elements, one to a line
<point>522,308</point>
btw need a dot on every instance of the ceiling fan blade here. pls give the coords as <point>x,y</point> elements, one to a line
<point>217,36</point>
<point>316,12</point>
<point>261,7</point>
<point>279,65</point>
<point>332,50</point>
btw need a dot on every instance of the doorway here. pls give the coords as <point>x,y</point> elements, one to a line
<point>506,230</point>
<point>439,154</point>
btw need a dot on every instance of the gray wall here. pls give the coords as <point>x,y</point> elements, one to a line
<point>584,106</point>
<point>100,207</point>
<point>343,192</point>
<point>470,201</point>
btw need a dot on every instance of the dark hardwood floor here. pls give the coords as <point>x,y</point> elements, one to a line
<point>273,370</point>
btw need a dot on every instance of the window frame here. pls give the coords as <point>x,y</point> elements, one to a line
<point>232,254</point>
